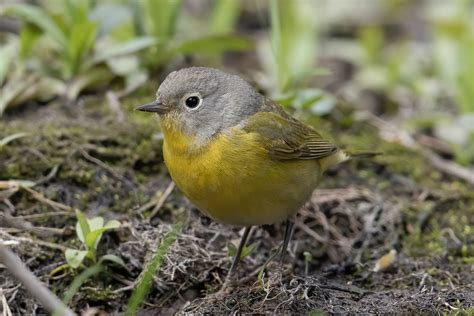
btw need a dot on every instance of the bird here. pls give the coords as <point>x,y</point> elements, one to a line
<point>239,157</point>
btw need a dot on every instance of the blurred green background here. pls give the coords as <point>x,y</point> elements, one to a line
<point>409,60</point>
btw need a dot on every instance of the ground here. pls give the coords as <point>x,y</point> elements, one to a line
<point>108,163</point>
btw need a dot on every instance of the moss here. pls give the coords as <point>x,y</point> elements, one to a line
<point>448,212</point>
<point>127,157</point>
<point>424,243</point>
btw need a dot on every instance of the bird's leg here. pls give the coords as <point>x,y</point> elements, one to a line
<point>286,240</point>
<point>236,260</point>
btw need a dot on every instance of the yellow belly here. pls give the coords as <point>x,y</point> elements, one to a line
<point>234,181</point>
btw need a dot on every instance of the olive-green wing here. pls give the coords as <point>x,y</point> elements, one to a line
<point>287,138</point>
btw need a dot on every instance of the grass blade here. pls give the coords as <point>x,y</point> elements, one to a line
<point>35,16</point>
<point>152,267</point>
<point>79,280</point>
<point>224,16</point>
<point>12,137</point>
<point>121,49</point>
<point>162,17</point>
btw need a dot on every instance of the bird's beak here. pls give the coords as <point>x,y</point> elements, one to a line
<point>156,107</point>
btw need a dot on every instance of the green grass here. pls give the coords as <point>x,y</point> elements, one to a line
<point>146,277</point>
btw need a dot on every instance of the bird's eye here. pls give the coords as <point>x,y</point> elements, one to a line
<point>193,101</point>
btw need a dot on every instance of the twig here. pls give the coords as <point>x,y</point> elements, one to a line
<point>104,166</point>
<point>46,214</point>
<point>5,307</point>
<point>101,164</point>
<point>20,223</point>
<point>321,196</point>
<point>311,232</point>
<point>49,176</point>
<point>31,241</point>
<point>392,133</point>
<point>448,167</point>
<point>162,200</point>
<point>15,184</point>
<point>40,197</point>
<point>149,204</point>
<point>434,143</point>
<point>49,301</point>
<point>5,194</point>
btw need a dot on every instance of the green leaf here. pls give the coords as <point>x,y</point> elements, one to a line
<point>213,44</point>
<point>80,42</point>
<point>121,49</point>
<point>231,250</point>
<point>94,236</point>
<point>224,15</point>
<point>124,65</point>
<point>28,37</point>
<point>114,259</point>
<point>316,100</point>
<point>112,224</point>
<point>247,251</point>
<point>95,223</point>
<point>82,226</point>
<point>12,137</point>
<point>94,76</point>
<point>75,257</point>
<point>160,17</point>
<point>8,51</point>
<point>38,17</point>
<point>293,37</point>
<point>371,40</point>
<point>13,89</point>
<point>79,280</point>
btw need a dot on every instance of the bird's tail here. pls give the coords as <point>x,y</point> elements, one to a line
<point>364,154</point>
<point>342,155</point>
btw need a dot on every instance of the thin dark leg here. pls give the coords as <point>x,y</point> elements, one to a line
<point>239,251</point>
<point>286,240</point>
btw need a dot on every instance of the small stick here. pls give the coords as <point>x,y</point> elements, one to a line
<point>162,200</point>
<point>103,165</point>
<point>392,133</point>
<point>46,214</point>
<point>34,286</point>
<point>24,225</point>
<point>40,197</point>
<point>34,242</point>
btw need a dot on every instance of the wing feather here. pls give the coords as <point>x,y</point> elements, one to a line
<point>286,138</point>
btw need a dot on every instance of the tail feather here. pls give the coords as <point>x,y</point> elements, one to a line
<point>364,154</point>
<point>341,156</point>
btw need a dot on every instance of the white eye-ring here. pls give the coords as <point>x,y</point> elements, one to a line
<point>193,101</point>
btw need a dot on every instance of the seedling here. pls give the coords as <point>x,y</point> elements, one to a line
<point>247,251</point>
<point>89,232</point>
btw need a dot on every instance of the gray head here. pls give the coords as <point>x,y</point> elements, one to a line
<point>204,101</point>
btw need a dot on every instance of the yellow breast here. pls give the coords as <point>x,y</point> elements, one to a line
<point>234,181</point>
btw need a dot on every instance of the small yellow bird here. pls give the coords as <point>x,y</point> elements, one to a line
<point>238,156</point>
